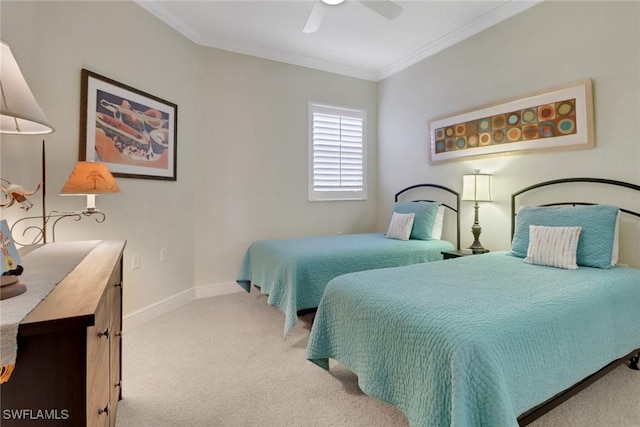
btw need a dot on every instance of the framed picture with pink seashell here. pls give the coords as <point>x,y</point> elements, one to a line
<point>560,118</point>
<point>133,132</point>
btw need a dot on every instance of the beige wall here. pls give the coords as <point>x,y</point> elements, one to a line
<point>552,44</point>
<point>253,157</point>
<point>242,143</point>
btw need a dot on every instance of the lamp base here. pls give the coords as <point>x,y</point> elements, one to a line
<point>11,287</point>
<point>479,250</point>
<point>476,246</point>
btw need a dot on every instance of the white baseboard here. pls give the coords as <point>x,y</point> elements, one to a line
<point>157,309</point>
<point>217,290</point>
<point>171,303</point>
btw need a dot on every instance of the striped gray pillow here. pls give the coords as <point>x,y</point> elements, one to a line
<point>400,226</point>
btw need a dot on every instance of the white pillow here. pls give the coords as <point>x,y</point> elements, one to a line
<point>436,231</point>
<point>400,226</point>
<point>616,242</point>
<point>553,246</point>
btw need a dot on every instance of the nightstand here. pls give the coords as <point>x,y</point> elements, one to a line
<point>455,254</point>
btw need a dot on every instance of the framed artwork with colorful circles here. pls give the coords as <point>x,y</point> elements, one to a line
<point>560,118</point>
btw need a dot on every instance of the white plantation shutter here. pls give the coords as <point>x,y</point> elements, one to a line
<point>337,142</point>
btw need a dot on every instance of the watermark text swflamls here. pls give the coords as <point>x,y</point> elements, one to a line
<point>35,414</point>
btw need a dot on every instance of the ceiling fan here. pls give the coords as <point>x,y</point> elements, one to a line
<point>386,8</point>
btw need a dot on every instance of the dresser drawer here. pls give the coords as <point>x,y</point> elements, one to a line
<point>115,371</point>
<point>115,292</point>
<point>98,355</point>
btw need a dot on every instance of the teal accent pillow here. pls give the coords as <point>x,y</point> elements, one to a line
<point>425,217</point>
<point>597,238</point>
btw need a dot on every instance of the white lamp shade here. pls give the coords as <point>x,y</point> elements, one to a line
<point>476,187</point>
<point>20,112</point>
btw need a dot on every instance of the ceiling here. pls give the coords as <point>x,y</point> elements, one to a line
<point>352,39</point>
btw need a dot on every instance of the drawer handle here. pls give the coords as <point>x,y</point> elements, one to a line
<point>106,410</point>
<point>118,285</point>
<point>117,384</point>
<point>104,334</point>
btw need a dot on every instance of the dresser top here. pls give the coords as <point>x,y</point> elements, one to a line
<point>73,302</point>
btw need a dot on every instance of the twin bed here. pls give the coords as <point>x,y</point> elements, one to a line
<point>496,339</point>
<point>294,272</point>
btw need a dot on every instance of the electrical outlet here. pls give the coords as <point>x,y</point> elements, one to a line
<point>135,262</point>
<point>163,254</point>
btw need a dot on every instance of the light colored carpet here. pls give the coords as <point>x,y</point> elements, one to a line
<point>222,361</point>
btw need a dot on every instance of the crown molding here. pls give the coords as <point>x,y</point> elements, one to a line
<point>497,15</point>
<point>156,9</point>
<point>488,20</point>
<point>302,61</point>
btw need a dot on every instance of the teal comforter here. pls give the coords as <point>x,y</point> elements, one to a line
<point>475,341</point>
<point>294,272</point>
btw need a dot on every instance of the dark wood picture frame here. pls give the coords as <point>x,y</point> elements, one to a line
<point>133,132</point>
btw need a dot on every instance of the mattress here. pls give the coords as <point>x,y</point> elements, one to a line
<point>478,340</point>
<point>294,272</point>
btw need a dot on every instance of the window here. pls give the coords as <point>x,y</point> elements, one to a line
<point>337,143</point>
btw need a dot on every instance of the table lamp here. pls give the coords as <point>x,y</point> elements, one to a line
<point>477,188</point>
<point>90,179</point>
<point>20,114</point>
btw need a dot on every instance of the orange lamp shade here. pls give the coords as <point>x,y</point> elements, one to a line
<point>90,178</point>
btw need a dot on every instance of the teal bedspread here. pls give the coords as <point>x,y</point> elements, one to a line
<point>294,272</point>
<point>475,341</point>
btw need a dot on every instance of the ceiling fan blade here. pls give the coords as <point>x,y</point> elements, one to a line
<point>386,8</point>
<point>315,18</point>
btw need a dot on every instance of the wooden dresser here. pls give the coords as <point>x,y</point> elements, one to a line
<point>68,366</point>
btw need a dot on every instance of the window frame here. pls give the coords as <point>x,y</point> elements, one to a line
<point>342,193</point>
